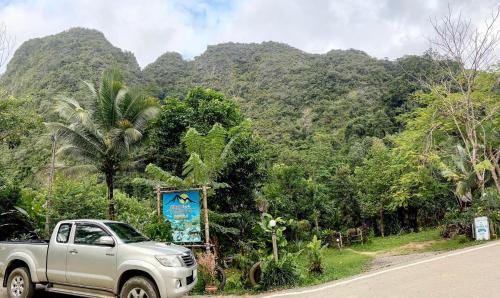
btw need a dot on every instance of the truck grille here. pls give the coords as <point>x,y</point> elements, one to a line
<point>188,260</point>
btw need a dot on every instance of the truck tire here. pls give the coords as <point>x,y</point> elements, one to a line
<point>19,284</point>
<point>139,287</point>
<point>221,277</point>
<point>255,274</point>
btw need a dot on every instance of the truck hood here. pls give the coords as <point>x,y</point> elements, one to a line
<point>161,247</point>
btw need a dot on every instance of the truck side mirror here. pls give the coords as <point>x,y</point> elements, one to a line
<point>106,241</point>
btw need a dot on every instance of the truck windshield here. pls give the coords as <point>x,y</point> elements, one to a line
<point>126,233</point>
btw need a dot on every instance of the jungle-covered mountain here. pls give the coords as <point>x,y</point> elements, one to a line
<point>290,95</point>
<point>57,64</point>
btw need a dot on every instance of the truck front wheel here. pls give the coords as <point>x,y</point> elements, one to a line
<point>139,287</point>
<point>19,284</point>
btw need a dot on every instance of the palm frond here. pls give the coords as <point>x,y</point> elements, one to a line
<point>70,110</point>
<point>166,178</point>
<point>78,138</point>
<point>193,141</point>
<point>111,87</point>
<point>196,171</point>
<point>77,170</point>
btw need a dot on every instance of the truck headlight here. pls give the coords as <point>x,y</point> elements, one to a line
<point>169,261</point>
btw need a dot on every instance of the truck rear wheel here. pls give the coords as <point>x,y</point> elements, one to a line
<point>139,287</point>
<point>19,284</point>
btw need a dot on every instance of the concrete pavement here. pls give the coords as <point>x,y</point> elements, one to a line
<point>471,272</point>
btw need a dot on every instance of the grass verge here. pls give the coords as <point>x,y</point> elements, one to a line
<point>337,264</point>
<point>347,262</point>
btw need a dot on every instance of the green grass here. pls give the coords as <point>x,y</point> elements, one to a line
<point>337,264</point>
<point>357,258</point>
<point>379,244</point>
<point>452,244</point>
<point>398,244</point>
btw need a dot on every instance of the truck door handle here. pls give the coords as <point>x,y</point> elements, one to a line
<point>73,251</point>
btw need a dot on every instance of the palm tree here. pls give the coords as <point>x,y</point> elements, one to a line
<point>463,176</point>
<point>102,136</point>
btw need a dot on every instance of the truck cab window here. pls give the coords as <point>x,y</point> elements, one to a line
<point>63,233</point>
<point>88,234</point>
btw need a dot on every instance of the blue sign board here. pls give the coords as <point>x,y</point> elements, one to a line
<point>182,209</point>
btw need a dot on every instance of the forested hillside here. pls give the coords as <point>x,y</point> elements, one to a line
<point>336,140</point>
<point>57,64</point>
<point>288,93</point>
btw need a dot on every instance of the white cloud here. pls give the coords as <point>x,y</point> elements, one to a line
<point>382,28</point>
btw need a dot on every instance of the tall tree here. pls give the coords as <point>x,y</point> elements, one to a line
<point>102,136</point>
<point>6,44</point>
<point>469,52</point>
<point>375,178</point>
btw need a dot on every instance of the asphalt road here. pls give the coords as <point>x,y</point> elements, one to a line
<point>471,272</point>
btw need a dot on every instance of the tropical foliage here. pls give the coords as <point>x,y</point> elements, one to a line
<point>323,144</point>
<point>315,254</point>
<point>103,135</point>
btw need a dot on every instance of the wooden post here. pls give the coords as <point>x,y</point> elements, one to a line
<point>205,208</point>
<point>158,202</point>
<point>275,245</point>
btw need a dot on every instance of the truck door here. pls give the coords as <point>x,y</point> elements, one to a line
<point>56,257</point>
<point>89,263</point>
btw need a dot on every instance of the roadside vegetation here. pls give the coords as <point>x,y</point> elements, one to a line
<point>400,155</point>
<point>359,258</point>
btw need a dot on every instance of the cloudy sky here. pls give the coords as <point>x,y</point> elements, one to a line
<point>148,28</point>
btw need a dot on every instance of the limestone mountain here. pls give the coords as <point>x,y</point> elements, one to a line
<point>290,95</point>
<point>57,64</point>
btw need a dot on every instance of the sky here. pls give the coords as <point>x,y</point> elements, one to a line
<point>149,28</point>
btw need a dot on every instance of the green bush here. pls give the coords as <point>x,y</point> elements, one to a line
<point>158,231</point>
<point>9,195</point>
<point>281,273</point>
<point>234,280</point>
<point>458,222</point>
<point>461,239</point>
<point>86,198</point>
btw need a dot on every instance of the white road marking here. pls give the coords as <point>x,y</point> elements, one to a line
<point>382,272</point>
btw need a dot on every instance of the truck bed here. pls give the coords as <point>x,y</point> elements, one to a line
<point>35,250</point>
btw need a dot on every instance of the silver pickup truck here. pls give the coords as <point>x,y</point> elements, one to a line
<point>95,258</point>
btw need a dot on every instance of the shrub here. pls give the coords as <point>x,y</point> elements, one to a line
<point>9,195</point>
<point>315,255</point>
<point>158,231</point>
<point>72,199</point>
<point>208,267</point>
<point>298,229</point>
<point>461,239</point>
<point>233,280</point>
<point>458,222</point>
<point>281,273</point>
<point>243,261</point>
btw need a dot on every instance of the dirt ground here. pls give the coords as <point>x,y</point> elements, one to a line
<point>404,254</point>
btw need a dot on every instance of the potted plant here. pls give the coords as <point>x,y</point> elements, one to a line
<point>207,267</point>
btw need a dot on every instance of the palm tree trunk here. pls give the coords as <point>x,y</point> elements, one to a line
<point>111,200</point>
<point>49,192</point>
